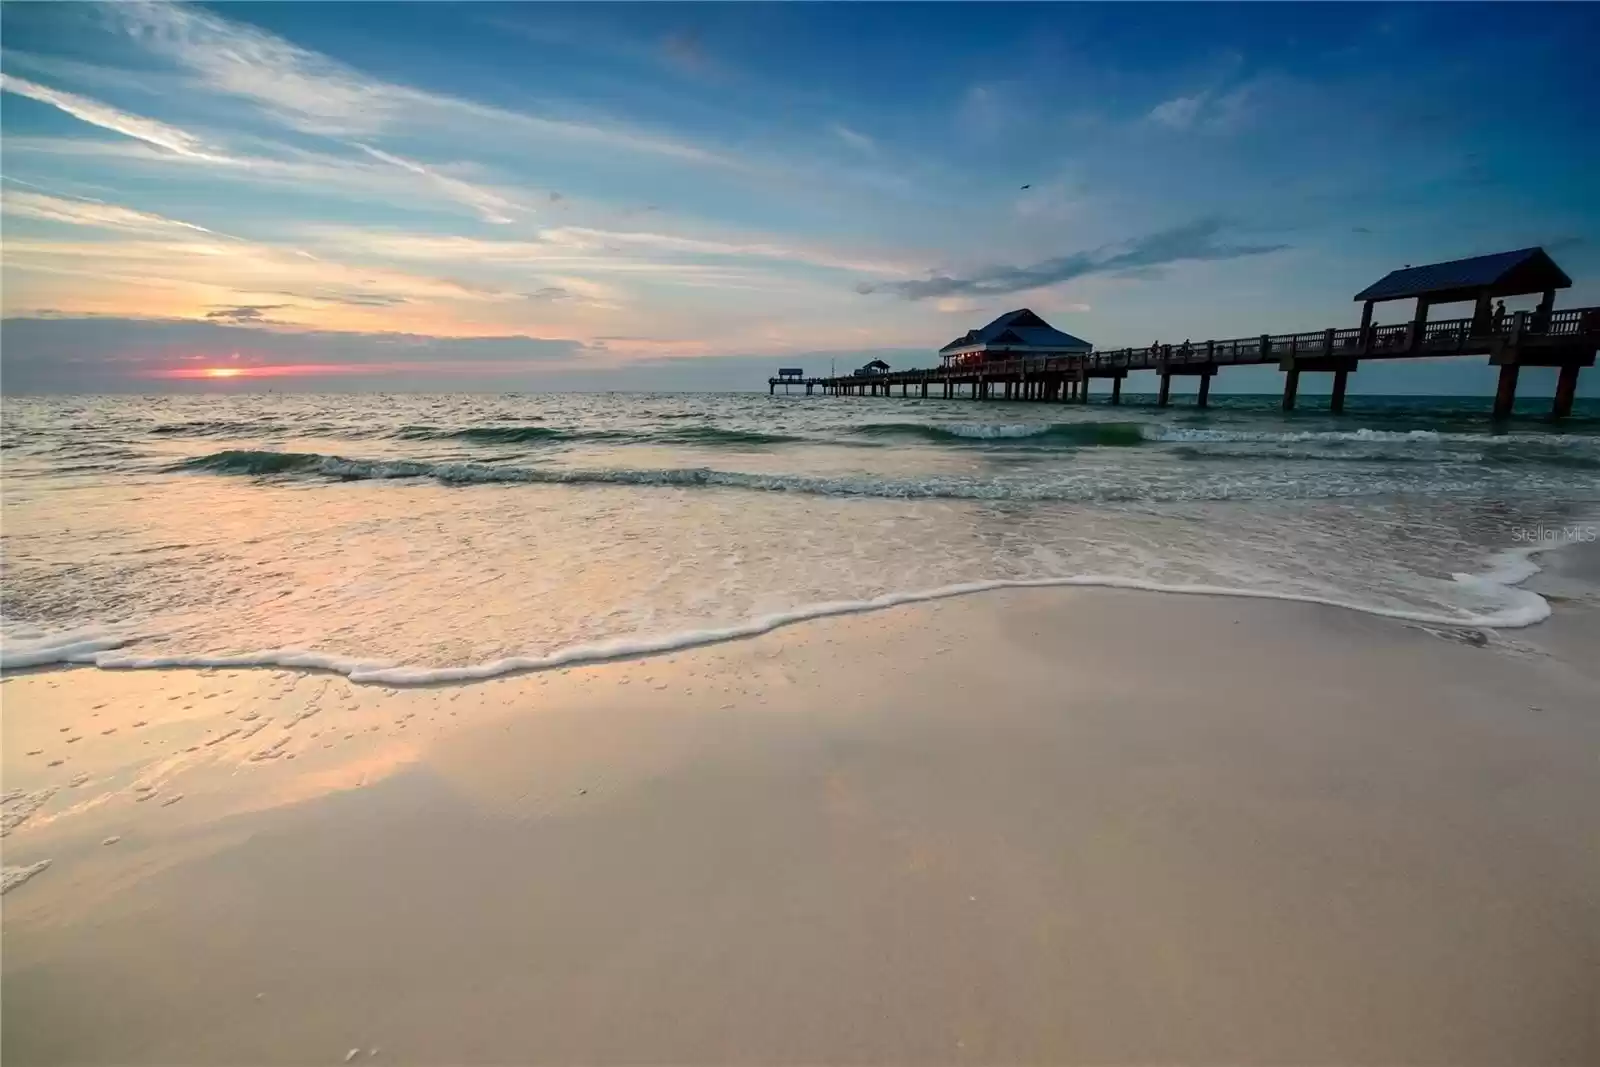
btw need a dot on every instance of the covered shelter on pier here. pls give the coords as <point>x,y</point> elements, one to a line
<point>1480,279</point>
<point>1014,335</point>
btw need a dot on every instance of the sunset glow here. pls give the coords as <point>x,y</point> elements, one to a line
<point>266,370</point>
<point>558,196</point>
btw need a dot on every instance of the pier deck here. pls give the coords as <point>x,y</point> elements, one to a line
<point>1565,339</point>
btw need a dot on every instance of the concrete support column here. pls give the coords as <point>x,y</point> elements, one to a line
<point>1341,378</point>
<point>1205,389</point>
<point>1506,395</point>
<point>1083,387</point>
<point>1566,389</point>
<point>1116,390</point>
<point>1291,386</point>
<point>1165,395</point>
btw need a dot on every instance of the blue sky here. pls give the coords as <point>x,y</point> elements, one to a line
<point>510,196</point>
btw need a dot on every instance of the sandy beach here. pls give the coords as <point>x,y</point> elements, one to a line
<point>1053,826</point>
<point>782,535</point>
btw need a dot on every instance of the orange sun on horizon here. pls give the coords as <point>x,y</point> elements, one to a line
<point>222,372</point>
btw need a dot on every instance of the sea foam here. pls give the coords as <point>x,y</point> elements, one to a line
<point>1523,608</point>
<point>29,648</point>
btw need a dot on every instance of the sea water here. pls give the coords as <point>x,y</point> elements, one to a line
<point>423,538</point>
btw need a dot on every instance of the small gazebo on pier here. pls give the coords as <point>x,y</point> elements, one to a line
<point>1014,335</point>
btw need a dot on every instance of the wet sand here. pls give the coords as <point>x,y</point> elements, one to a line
<point>1054,826</point>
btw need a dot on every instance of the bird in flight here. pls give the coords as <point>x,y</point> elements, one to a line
<point>1027,187</point>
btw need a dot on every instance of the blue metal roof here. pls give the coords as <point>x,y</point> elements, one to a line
<point>1526,270</point>
<point>1026,327</point>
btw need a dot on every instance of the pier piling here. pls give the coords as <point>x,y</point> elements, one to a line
<point>1566,389</point>
<point>1505,396</point>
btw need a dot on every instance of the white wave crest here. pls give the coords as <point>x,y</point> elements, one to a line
<point>982,431</point>
<point>1186,434</point>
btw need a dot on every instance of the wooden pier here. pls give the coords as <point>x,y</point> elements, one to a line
<point>1565,339</point>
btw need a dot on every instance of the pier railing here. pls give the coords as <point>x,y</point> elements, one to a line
<point>1566,339</point>
<point>1397,340</point>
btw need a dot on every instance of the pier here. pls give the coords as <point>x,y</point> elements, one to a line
<point>1033,361</point>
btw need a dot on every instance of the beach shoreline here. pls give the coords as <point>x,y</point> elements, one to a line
<point>1024,825</point>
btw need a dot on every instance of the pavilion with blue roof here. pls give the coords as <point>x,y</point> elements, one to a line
<point>1013,335</point>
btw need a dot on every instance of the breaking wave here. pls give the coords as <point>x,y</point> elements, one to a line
<point>1366,436</point>
<point>1105,434</point>
<point>500,435</point>
<point>1065,486</point>
<point>508,435</point>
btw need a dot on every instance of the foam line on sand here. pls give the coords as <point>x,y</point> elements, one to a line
<point>77,648</point>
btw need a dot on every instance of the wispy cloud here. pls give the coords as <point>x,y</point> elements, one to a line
<point>490,206</point>
<point>1179,112</point>
<point>152,264</point>
<point>364,176</point>
<point>1195,241</point>
<point>95,113</point>
<point>982,112</point>
<point>97,213</point>
<point>591,249</point>
<point>1207,111</point>
<point>854,138</point>
<point>313,93</point>
<point>583,237</point>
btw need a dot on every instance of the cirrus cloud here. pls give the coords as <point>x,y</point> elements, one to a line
<point>1195,241</point>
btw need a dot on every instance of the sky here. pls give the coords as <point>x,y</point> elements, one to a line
<point>505,196</point>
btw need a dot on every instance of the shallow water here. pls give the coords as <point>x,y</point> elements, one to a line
<point>452,531</point>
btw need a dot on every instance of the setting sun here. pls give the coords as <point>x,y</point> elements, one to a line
<point>223,372</point>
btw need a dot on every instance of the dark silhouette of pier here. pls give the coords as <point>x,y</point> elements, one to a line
<point>1039,363</point>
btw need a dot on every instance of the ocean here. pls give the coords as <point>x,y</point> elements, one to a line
<point>412,539</point>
